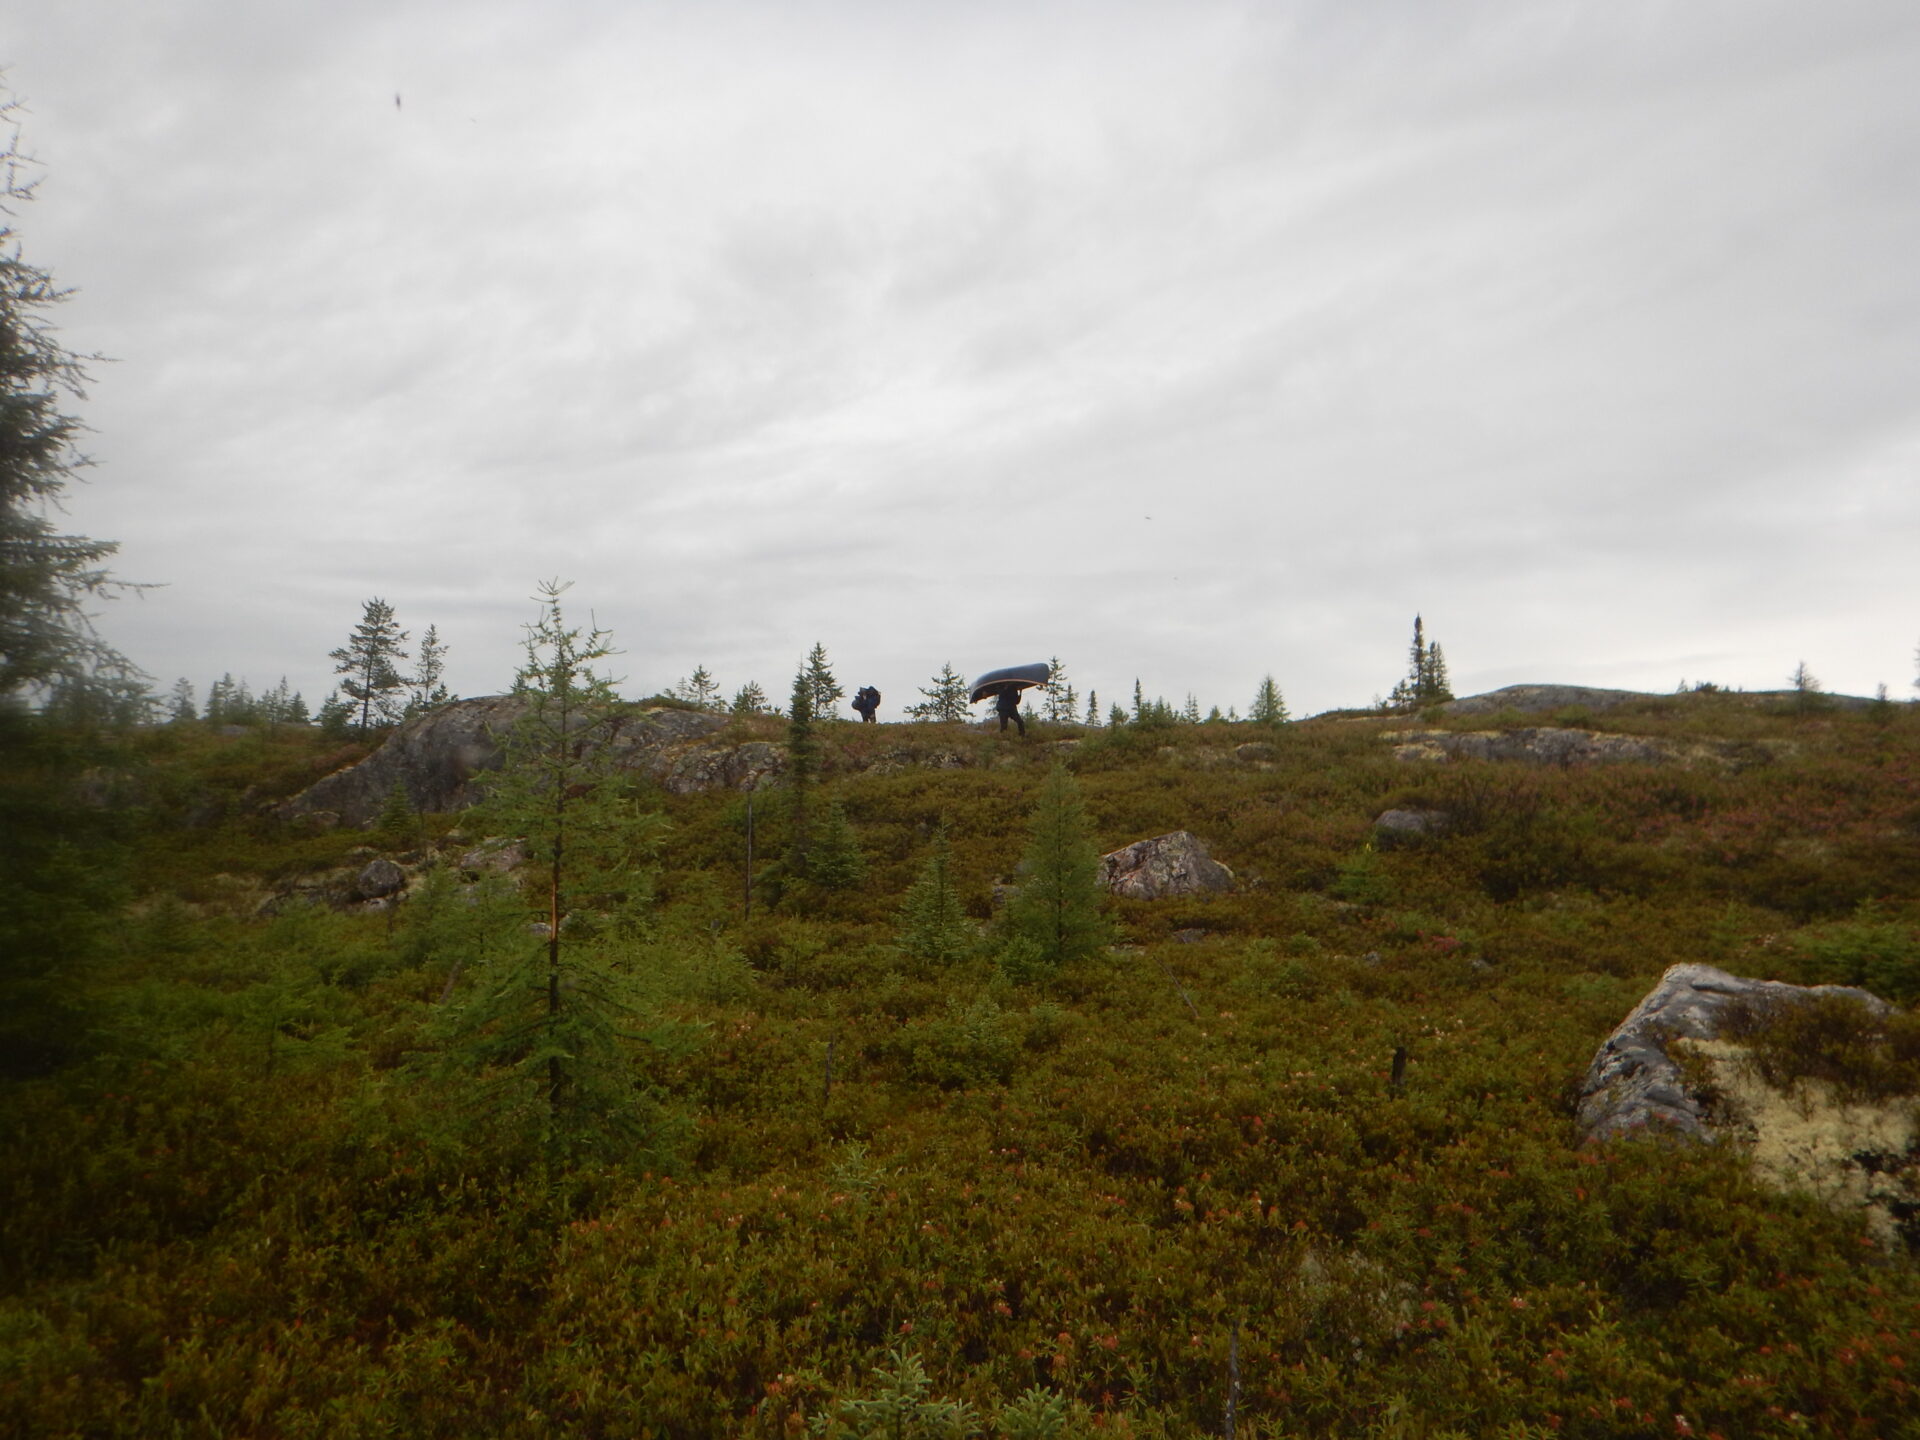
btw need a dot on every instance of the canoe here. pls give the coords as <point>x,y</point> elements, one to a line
<point>1012,677</point>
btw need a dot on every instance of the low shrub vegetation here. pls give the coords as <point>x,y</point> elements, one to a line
<point>878,1159</point>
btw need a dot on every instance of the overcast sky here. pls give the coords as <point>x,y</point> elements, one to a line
<point>1186,341</point>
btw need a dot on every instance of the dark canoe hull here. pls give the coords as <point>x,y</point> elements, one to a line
<point>1013,677</point>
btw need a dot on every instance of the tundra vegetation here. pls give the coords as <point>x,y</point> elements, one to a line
<point>586,1150</point>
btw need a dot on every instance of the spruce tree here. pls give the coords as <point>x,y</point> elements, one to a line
<point>933,923</point>
<point>47,578</point>
<point>231,702</point>
<point>836,861</point>
<point>699,689</point>
<point>1434,687</point>
<point>947,700</point>
<point>1093,707</point>
<point>1269,706</point>
<point>823,691</point>
<point>1425,682</point>
<point>180,704</point>
<point>1055,917</point>
<point>371,680</point>
<point>429,688</point>
<point>543,1034</point>
<point>398,823</point>
<point>1806,690</point>
<point>750,699</point>
<point>283,705</point>
<point>336,716</point>
<point>803,766</point>
<point>1060,699</point>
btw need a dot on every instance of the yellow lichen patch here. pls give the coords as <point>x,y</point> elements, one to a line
<point>1855,1156</point>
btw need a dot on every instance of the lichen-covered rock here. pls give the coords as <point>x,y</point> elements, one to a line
<point>1409,827</point>
<point>378,879</point>
<point>1859,1156</point>
<point>437,757</point>
<point>1539,745</point>
<point>684,770</point>
<point>1669,1070</point>
<point>1634,1083</point>
<point>1166,865</point>
<point>1552,745</point>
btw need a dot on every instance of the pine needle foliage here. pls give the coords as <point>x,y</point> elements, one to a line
<point>901,1407</point>
<point>544,1033</point>
<point>47,639</point>
<point>1425,682</point>
<point>1055,917</point>
<point>946,698</point>
<point>369,676</point>
<point>933,921</point>
<point>837,861</point>
<point>1269,707</point>
<point>803,770</point>
<point>823,690</point>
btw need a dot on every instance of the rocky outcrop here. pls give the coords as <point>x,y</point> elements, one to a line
<point>1668,1070</point>
<point>1634,1082</point>
<point>1531,698</point>
<point>1542,745</point>
<point>440,758</point>
<point>1166,865</point>
<point>718,765</point>
<point>1550,745</point>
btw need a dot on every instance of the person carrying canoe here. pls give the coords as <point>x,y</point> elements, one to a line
<point>1005,686</point>
<point>1007,706</point>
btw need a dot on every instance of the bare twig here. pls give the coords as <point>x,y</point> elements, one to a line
<point>1192,1008</point>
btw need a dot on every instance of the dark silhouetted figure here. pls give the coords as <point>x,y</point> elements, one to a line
<point>1007,706</point>
<point>866,700</point>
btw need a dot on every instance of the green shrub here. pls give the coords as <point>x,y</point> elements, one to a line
<point>1833,1038</point>
<point>971,1044</point>
<point>1868,950</point>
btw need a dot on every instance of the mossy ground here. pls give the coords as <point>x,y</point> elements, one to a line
<point>227,1209</point>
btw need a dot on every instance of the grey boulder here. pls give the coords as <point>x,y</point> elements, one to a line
<point>1634,1085</point>
<point>1166,865</point>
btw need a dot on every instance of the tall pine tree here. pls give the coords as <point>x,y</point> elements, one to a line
<point>823,691</point>
<point>370,677</point>
<point>1269,707</point>
<point>1425,682</point>
<point>47,639</point>
<point>429,685</point>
